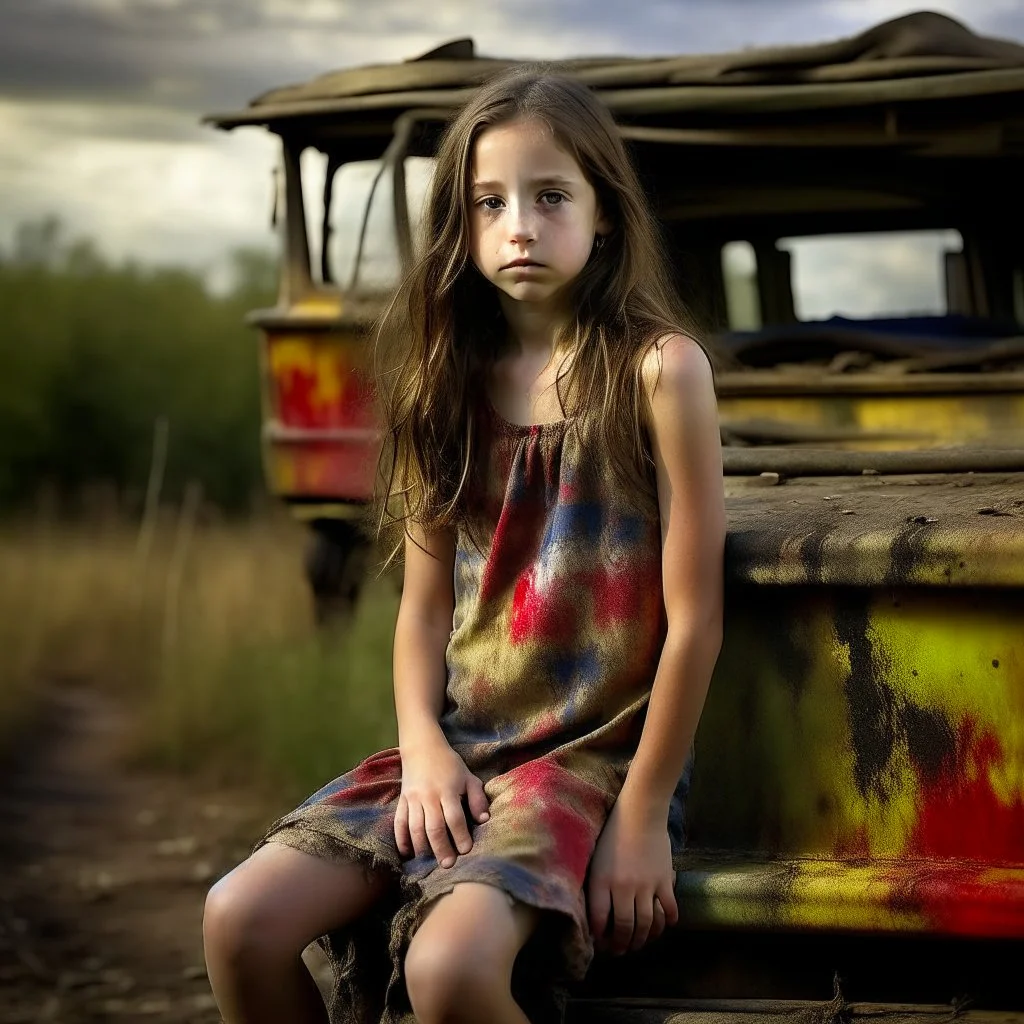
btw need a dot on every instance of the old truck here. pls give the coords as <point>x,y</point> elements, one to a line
<point>848,218</point>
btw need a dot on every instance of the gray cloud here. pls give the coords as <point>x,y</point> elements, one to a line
<point>194,55</point>
<point>100,99</point>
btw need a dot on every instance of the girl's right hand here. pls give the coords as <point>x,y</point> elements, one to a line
<point>434,781</point>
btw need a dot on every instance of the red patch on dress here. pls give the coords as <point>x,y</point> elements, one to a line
<point>540,615</point>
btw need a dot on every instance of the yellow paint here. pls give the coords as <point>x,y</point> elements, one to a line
<point>325,304</point>
<point>326,361</point>
<point>927,421</point>
<point>777,720</point>
<point>825,894</point>
<point>948,666</point>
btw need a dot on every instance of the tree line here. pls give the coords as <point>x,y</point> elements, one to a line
<point>94,354</point>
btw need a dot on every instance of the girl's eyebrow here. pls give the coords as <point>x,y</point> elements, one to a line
<point>544,182</point>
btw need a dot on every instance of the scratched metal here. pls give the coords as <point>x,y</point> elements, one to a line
<point>860,762</point>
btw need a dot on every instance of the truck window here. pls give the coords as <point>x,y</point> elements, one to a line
<point>356,184</point>
<point>363,193</point>
<point>876,274</point>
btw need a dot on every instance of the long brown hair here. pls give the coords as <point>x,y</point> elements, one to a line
<point>444,327</point>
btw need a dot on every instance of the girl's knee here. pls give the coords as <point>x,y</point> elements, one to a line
<point>444,978</point>
<point>238,925</point>
<point>462,955</point>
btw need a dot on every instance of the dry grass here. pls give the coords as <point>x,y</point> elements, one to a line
<point>207,629</point>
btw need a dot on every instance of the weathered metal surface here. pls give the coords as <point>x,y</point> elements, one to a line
<point>884,419</point>
<point>320,433</point>
<point>771,1011</point>
<point>792,461</point>
<point>946,530</point>
<point>923,56</point>
<point>311,471</point>
<point>764,1011</point>
<point>867,748</point>
<point>932,896</point>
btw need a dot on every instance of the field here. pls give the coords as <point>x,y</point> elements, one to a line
<point>204,628</point>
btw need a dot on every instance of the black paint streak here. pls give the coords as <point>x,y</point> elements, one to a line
<point>881,720</point>
<point>906,551</point>
<point>812,556</point>
<point>931,742</point>
<point>870,701</point>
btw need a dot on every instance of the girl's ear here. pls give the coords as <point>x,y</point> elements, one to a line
<point>603,226</point>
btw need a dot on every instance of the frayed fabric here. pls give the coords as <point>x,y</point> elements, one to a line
<point>557,630</point>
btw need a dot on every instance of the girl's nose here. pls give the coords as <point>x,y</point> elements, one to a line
<point>521,227</point>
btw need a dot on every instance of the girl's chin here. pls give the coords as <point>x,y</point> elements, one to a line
<point>529,291</point>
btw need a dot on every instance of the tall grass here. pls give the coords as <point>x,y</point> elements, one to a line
<point>206,628</point>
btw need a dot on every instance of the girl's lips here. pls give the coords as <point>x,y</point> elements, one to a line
<point>519,264</point>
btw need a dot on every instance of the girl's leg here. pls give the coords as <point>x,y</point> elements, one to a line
<point>459,964</point>
<point>262,915</point>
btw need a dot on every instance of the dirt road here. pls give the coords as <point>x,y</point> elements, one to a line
<point>103,874</point>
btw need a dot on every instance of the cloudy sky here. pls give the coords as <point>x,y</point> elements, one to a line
<point>100,100</point>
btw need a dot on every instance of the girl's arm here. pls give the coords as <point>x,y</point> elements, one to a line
<point>434,777</point>
<point>632,864</point>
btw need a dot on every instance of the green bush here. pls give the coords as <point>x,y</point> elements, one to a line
<point>94,354</point>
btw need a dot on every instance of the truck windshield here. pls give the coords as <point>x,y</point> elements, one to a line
<point>362,254</point>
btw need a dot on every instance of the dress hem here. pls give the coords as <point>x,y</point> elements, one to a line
<point>349,1000</point>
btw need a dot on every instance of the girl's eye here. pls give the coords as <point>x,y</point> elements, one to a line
<point>553,198</point>
<point>491,203</point>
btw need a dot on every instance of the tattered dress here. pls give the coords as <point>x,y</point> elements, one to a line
<point>557,629</point>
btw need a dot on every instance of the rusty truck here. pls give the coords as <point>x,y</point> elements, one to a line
<point>848,219</point>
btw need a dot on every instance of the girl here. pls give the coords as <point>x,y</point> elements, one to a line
<point>552,458</point>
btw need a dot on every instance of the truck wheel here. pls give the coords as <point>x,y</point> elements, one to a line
<point>335,564</point>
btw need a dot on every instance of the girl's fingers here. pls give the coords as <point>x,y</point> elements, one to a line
<point>477,799</point>
<point>658,924</point>
<point>600,900</point>
<point>437,835</point>
<point>644,919</point>
<point>402,840</point>
<point>455,816</point>
<point>667,899</point>
<point>624,917</point>
<point>417,832</point>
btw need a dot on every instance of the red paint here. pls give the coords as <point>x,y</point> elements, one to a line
<point>298,405</point>
<point>960,814</point>
<point>565,811</point>
<point>571,838</point>
<point>620,595</point>
<point>376,781</point>
<point>295,405</point>
<point>327,469</point>
<point>513,545</point>
<point>961,818</point>
<point>540,615</point>
<point>960,900</point>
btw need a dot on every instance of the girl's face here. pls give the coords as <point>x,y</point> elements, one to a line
<point>533,214</point>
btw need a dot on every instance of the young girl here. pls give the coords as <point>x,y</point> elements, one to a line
<point>553,460</point>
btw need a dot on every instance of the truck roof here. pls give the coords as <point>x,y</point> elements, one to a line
<point>917,57</point>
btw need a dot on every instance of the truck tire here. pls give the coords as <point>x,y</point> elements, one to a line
<point>335,564</point>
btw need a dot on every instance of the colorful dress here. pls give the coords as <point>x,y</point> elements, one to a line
<point>557,630</point>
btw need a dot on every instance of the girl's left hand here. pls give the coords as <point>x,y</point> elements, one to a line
<point>630,892</point>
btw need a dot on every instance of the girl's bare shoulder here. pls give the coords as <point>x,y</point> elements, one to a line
<point>674,367</point>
